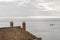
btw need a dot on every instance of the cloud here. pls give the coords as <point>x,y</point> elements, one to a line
<point>44,17</point>
<point>44,6</point>
<point>22,2</point>
<point>38,4</point>
<point>34,17</point>
<point>23,8</point>
<point>7,0</point>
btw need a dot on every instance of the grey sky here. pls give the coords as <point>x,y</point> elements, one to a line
<point>29,8</point>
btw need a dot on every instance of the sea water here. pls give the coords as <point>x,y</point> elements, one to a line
<point>47,29</point>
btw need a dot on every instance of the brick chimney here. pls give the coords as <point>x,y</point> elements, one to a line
<point>11,24</point>
<point>24,26</point>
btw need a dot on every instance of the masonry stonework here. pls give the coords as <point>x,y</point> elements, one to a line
<point>16,33</point>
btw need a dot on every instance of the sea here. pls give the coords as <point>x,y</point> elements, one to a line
<point>46,28</point>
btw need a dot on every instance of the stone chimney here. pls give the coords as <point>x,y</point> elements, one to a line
<point>24,26</point>
<point>11,24</point>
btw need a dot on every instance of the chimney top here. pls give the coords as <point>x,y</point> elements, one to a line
<point>11,24</point>
<point>24,25</point>
<point>23,22</point>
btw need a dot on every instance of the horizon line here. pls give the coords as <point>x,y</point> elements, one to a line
<point>31,17</point>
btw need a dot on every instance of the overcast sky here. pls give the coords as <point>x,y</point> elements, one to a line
<point>23,8</point>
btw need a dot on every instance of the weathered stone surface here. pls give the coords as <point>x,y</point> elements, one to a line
<point>16,33</point>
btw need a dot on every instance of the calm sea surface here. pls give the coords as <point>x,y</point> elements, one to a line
<point>48,29</point>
